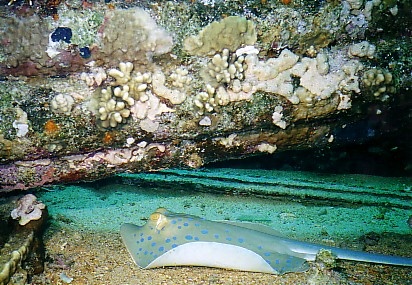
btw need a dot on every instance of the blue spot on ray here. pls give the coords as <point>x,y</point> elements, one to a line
<point>188,237</point>
<point>204,231</point>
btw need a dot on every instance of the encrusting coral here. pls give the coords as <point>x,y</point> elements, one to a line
<point>133,34</point>
<point>229,33</point>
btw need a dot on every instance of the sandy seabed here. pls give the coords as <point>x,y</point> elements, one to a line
<point>101,258</point>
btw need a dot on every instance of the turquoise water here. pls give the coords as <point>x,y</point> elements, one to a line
<point>106,205</point>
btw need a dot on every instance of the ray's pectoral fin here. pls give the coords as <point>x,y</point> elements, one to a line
<point>129,233</point>
<point>170,239</point>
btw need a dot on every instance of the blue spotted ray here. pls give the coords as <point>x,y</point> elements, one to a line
<point>172,239</point>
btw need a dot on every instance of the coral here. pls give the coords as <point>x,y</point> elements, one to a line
<point>150,108</point>
<point>62,104</point>
<point>266,147</point>
<point>229,141</point>
<point>235,77</point>
<point>351,80</point>
<point>205,100</point>
<point>133,35</point>
<point>277,117</point>
<point>114,106</point>
<point>273,75</point>
<point>316,80</point>
<point>378,82</point>
<point>315,77</point>
<point>28,209</point>
<point>229,33</point>
<point>225,68</point>
<point>132,95</point>
<point>180,77</point>
<point>159,88</point>
<point>21,40</point>
<point>95,77</point>
<point>21,123</point>
<point>362,49</point>
<point>224,76</point>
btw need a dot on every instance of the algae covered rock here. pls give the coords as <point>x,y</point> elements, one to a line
<point>179,84</point>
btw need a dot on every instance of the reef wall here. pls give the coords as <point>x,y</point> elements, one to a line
<point>92,89</point>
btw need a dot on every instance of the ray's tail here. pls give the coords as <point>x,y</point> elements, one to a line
<point>309,251</point>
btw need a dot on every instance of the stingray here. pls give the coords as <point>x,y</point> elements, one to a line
<point>173,239</point>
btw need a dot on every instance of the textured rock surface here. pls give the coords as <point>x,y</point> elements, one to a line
<point>144,100</point>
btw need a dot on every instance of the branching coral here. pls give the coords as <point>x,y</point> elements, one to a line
<point>114,106</point>
<point>379,82</point>
<point>115,103</point>
<point>223,75</point>
<point>62,103</point>
<point>135,93</point>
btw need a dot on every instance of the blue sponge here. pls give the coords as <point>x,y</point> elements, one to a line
<point>62,34</point>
